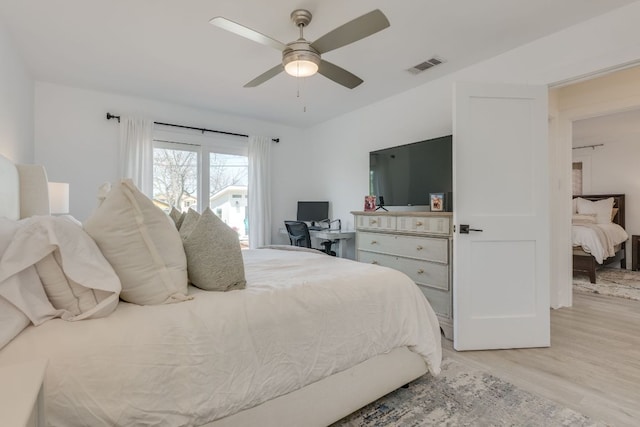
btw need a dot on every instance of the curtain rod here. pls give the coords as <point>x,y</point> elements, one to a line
<point>203,130</point>
<point>593,146</point>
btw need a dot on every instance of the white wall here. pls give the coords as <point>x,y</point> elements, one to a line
<point>16,104</point>
<point>339,168</point>
<point>78,145</point>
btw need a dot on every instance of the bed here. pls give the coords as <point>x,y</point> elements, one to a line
<point>597,241</point>
<point>311,339</point>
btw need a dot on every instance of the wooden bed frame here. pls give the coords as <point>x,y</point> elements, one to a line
<point>584,262</point>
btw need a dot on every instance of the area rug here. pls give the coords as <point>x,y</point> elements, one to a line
<point>610,281</point>
<point>463,396</point>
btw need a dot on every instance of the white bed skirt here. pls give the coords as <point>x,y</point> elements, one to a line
<point>332,398</point>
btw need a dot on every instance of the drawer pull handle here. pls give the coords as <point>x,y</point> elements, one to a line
<point>420,271</point>
<point>374,262</point>
<point>418,223</point>
<point>419,248</point>
<point>374,242</point>
<point>373,221</point>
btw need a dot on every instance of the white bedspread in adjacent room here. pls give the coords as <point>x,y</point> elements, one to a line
<point>598,240</point>
<point>303,316</point>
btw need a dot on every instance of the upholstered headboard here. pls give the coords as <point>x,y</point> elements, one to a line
<point>23,190</point>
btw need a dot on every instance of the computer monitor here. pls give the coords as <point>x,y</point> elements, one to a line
<point>313,211</point>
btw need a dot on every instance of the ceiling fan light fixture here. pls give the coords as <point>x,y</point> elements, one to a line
<point>301,63</point>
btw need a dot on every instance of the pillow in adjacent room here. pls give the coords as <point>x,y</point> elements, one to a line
<point>583,219</point>
<point>575,205</point>
<point>614,212</point>
<point>214,257</point>
<point>602,209</point>
<point>142,245</point>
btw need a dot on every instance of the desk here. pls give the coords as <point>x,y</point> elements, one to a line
<point>334,235</point>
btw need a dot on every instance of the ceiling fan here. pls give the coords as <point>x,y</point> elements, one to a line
<point>302,58</point>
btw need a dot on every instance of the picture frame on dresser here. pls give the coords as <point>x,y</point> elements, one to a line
<point>436,202</point>
<point>369,203</point>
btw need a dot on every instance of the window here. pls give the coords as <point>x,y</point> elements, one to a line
<point>576,178</point>
<point>199,171</point>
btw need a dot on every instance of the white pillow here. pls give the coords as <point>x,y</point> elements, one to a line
<point>214,257</point>
<point>579,219</point>
<point>142,245</point>
<point>76,280</point>
<point>602,209</point>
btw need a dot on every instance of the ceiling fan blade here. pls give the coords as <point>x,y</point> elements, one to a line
<point>352,31</point>
<point>338,75</point>
<point>246,32</point>
<point>266,76</point>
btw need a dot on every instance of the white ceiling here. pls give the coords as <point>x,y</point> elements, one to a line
<point>167,50</point>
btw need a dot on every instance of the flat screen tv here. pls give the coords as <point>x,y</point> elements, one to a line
<point>406,174</point>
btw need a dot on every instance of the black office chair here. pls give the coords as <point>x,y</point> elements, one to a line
<point>299,236</point>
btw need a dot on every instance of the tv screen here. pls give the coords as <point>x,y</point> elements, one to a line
<point>405,175</point>
<point>313,211</point>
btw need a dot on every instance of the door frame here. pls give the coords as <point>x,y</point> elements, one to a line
<point>562,124</point>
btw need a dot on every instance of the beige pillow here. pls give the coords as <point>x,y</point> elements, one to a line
<point>142,244</point>
<point>614,212</point>
<point>602,209</point>
<point>214,257</point>
<point>177,217</point>
<point>190,220</point>
<point>579,219</point>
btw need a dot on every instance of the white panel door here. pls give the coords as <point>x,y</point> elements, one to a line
<point>501,274</point>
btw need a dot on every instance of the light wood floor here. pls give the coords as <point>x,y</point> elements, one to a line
<point>592,366</point>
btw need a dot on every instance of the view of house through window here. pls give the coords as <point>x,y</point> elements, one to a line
<point>228,178</point>
<point>178,182</point>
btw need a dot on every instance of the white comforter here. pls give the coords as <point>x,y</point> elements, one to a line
<point>303,316</point>
<point>599,244</point>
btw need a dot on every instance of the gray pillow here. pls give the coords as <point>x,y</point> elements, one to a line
<point>188,223</point>
<point>176,216</point>
<point>214,257</point>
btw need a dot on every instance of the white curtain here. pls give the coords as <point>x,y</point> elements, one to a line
<point>259,191</point>
<point>136,152</point>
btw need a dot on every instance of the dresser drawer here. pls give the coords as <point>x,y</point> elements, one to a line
<point>416,224</point>
<point>424,273</point>
<point>375,222</point>
<point>440,301</point>
<point>426,248</point>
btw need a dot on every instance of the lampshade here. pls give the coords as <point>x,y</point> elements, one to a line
<point>59,198</point>
<point>301,63</point>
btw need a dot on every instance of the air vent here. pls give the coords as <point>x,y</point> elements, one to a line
<point>426,65</point>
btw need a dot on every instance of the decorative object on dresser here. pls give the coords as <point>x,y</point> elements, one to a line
<point>418,244</point>
<point>603,217</point>
<point>369,203</point>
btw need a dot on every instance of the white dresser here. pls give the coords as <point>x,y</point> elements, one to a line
<point>417,243</point>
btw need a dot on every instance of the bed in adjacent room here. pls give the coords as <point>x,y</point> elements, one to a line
<point>598,234</point>
<point>310,339</point>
